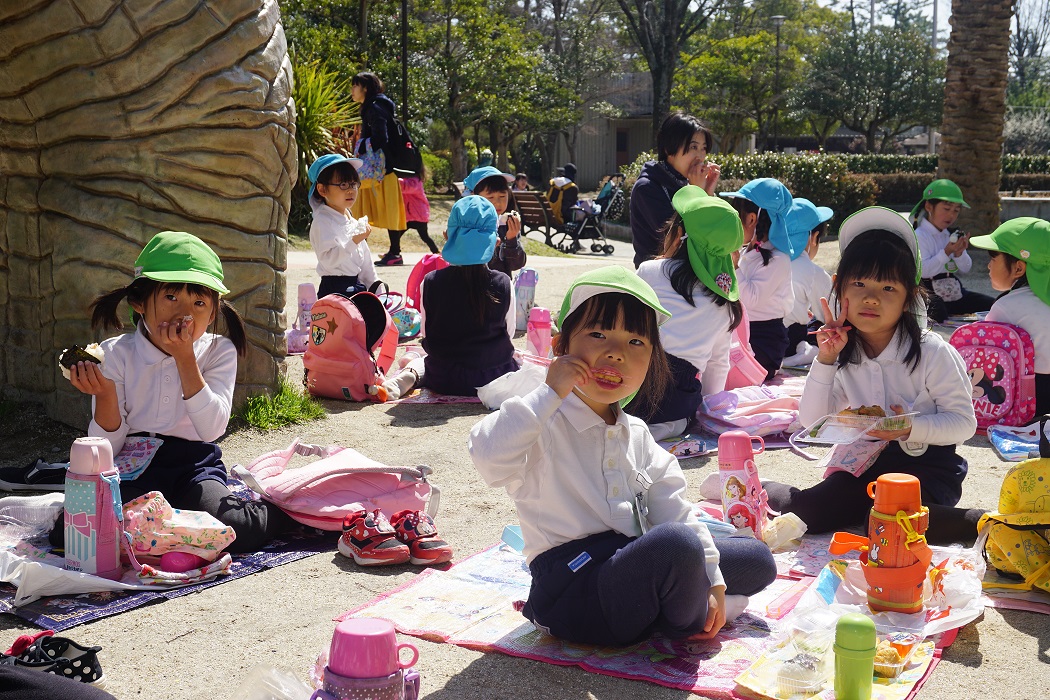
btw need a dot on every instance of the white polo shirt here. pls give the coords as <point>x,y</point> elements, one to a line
<point>1023,308</point>
<point>331,236</point>
<point>765,290</point>
<point>931,248</point>
<point>809,282</point>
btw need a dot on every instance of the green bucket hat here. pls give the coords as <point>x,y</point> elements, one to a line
<point>175,256</point>
<point>610,279</point>
<point>712,231</point>
<point>1027,239</point>
<point>945,190</point>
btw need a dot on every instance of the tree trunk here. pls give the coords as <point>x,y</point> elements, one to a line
<point>456,152</point>
<point>662,75</point>
<point>975,106</point>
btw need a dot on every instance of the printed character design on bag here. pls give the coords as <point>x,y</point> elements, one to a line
<point>1000,361</point>
<point>352,346</point>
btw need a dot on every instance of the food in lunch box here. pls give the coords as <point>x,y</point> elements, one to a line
<point>887,660</point>
<point>876,411</point>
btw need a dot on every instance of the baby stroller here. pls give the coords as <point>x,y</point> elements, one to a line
<point>588,221</point>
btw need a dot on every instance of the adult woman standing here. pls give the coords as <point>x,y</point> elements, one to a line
<point>380,200</point>
<point>682,143</point>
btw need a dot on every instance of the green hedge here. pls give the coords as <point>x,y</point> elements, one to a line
<point>901,188</point>
<point>1025,182</point>
<point>885,164</point>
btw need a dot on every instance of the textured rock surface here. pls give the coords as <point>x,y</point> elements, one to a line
<point>121,119</point>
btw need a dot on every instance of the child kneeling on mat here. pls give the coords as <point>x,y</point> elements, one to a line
<point>615,551</point>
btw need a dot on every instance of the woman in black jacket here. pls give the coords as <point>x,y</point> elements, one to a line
<point>380,200</point>
<point>683,143</point>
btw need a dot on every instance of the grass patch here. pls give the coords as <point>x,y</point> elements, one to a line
<point>542,249</point>
<point>286,407</point>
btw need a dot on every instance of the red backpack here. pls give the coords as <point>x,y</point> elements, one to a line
<point>430,261</point>
<point>346,335</point>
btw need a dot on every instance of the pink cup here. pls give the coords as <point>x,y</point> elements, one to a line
<point>367,648</point>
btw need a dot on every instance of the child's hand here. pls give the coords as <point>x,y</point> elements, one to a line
<point>513,225</point>
<point>565,372</point>
<point>959,247</point>
<point>892,434</point>
<point>176,338</point>
<point>716,613</point>
<point>368,230</point>
<point>832,336</point>
<point>87,377</point>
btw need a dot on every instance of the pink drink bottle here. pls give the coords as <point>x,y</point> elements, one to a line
<point>93,509</point>
<point>538,338</point>
<point>524,295</point>
<point>364,663</point>
<point>743,503</point>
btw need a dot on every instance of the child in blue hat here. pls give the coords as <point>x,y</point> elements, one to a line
<point>764,271</point>
<point>340,241</point>
<point>806,223</point>
<point>493,185</point>
<point>467,307</point>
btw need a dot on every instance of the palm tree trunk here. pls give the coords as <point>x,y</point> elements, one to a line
<point>975,106</point>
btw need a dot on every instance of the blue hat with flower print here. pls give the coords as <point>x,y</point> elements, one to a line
<point>327,161</point>
<point>770,194</point>
<point>472,234</point>
<point>803,217</point>
<point>478,174</point>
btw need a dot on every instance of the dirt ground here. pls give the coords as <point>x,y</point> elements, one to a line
<point>205,644</point>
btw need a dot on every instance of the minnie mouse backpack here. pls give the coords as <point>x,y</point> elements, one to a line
<point>1000,361</point>
<point>351,347</point>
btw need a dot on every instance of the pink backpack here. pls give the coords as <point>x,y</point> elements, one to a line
<point>744,369</point>
<point>1000,361</point>
<point>322,492</point>
<point>430,261</point>
<point>345,335</point>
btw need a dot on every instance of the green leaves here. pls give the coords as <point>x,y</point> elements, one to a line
<point>322,103</point>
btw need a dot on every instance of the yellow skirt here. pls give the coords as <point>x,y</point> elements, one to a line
<point>381,202</point>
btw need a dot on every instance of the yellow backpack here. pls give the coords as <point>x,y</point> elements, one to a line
<point>1017,536</point>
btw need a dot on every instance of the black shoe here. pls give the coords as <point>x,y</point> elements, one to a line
<point>37,476</point>
<point>389,260</point>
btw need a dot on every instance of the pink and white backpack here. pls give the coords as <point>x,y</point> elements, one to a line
<point>352,345</point>
<point>1000,361</point>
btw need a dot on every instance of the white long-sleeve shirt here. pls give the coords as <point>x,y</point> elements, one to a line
<point>697,334</point>
<point>149,389</point>
<point>809,282</point>
<point>331,236</point>
<point>1023,308</point>
<point>931,248</point>
<point>571,475</point>
<point>938,390</point>
<point>765,290</point>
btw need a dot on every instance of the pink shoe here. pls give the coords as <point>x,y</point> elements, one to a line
<point>417,530</point>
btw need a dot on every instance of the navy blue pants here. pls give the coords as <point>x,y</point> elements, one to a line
<point>769,340</point>
<point>681,400</point>
<point>454,379</point>
<point>611,589</point>
<point>799,332</point>
<point>841,501</point>
<point>938,309</point>
<point>339,284</point>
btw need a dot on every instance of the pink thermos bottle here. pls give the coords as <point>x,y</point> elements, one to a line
<point>364,663</point>
<point>538,337</point>
<point>93,509</point>
<point>743,499</point>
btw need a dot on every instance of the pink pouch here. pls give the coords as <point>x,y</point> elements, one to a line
<point>154,528</point>
<point>322,492</point>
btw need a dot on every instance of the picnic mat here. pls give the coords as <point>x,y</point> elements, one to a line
<point>472,605</point>
<point>63,612</point>
<point>428,396</point>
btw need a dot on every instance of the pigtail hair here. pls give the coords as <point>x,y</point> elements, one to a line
<point>234,327</point>
<point>105,309</point>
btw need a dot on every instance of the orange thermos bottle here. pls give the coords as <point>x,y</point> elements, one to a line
<point>895,554</point>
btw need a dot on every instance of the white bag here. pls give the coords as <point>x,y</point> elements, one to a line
<point>532,374</point>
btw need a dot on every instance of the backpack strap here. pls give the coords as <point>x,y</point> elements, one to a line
<point>387,347</point>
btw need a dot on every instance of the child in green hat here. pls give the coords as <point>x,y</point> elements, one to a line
<point>614,549</point>
<point>1019,266</point>
<point>172,379</point>
<point>695,280</point>
<point>942,248</point>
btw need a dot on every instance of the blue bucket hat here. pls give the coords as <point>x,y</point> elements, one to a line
<point>803,217</point>
<point>472,235</point>
<point>327,161</point>
<point>478,174</point>
<point>770,194</point>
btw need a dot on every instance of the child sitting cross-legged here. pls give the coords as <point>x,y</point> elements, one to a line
<point>614,548</point>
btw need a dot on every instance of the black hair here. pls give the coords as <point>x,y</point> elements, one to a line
<point>604,310</point>
<point>492,183</point>
<point>345,171</point>
<point>1011,260</point>
<point>744,207</point>
<point>681,276</point>
<point>370,82</point>
<point>881,255</point>
<point>104,310</point>
<point>677,131</point>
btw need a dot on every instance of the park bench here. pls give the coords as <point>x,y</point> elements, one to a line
<point>537,215</point>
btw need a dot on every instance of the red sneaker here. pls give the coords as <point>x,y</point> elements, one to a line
<point>370,540</point>
<point>417,530</point>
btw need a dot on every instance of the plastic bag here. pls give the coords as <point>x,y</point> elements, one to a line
<point>264,682</point>
<point>532,374</point>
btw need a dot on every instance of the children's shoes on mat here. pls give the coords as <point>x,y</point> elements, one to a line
<point>370,539</point>
<point>417,530</point>
<point>57,655</point>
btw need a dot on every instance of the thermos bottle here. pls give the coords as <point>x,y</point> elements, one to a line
<point>524,295</point>
<point>743,503</point>
<point>364,663</point>
<point>855,644</point>
<point>538,338</point>
<point>93,509</point>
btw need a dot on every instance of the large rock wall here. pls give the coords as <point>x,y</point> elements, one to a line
<point>119,119</point>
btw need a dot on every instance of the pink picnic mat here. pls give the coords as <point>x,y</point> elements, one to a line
<point>428,396</point>
<point>472,605</point>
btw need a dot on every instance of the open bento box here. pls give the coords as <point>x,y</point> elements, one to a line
<point>843,429</point>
